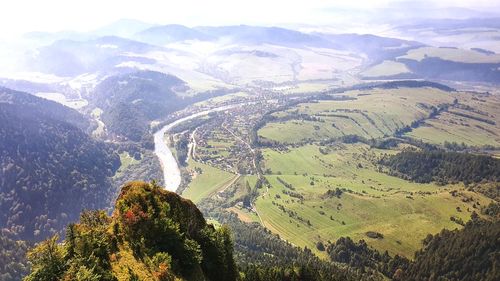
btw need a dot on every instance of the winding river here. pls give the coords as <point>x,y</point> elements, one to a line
<point>171,171</point>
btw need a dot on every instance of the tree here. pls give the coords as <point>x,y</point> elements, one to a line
<point>47,260</point>
<point>70,241</point>
<point>320,246</point>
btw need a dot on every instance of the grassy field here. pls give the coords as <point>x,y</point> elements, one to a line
<point>207,183</point>
<point>298,130</point>
<point>302,203</point>
<point>385,68</point>
<point>304,87</point>
<point>218,101</point>
<point>244,214</point>
<point>126,161</point>
<point>446,129</point>
<point>277,64</point>
<point>476,123</point>
<point>60,98</point>
<point>402,211</point>
<point>457,55</point>
<point>370,114</point>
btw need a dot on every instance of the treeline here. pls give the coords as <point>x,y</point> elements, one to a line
<point>262,255</point>
<point>395,85</point>
<point>414,84</point>
<point>434,112</point>
<point>469,254</point>
<point>384,143</point>
<point>443,167</point>
<point>480,119</point>
<point>360,255</point>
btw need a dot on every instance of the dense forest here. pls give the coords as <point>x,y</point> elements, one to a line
<point>51,168</point>
<point>13,264</point>
<point>443,167</point>
<point>470,254</point>
<point>131,101</point>
<point>360,256</point>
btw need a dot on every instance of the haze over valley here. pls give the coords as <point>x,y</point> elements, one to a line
<point>250,141</point>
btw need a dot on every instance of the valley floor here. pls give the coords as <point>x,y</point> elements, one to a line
<point>301,181</point>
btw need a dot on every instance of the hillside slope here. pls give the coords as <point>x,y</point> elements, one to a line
<point>40,106</point>
<point>472,253</point>
<point>51,169</point>
<point>131,101</point>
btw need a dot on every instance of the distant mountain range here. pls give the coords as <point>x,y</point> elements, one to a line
<point>224,56</point>
<point>72,58</point>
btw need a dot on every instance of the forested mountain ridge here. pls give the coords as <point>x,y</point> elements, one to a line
<point>131,101</point>
<point>47,108</point>
<point>73,57</point>
<point>51,168</point>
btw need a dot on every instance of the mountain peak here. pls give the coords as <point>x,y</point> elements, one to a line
<point>153,234</point>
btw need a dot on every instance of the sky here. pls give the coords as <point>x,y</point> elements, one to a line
<point>21,16</point>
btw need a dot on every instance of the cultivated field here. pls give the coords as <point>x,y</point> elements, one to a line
<point>313,187</point>
<point>206,181</point>
<point>403,212</point>
<point>370,114</point>
<point>385,68</point>
<point>475,121</point>
<point>451,54</point>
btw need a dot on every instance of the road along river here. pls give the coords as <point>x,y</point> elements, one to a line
<point>171,171</point>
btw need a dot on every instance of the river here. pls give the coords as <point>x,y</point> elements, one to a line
<point>171,171</point>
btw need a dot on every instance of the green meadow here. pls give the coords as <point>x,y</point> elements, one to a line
<point>318,193</point>
<point>206,183</point>
<point>403,212</point>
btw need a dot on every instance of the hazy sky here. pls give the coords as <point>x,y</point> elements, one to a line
<point>20,16</point>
